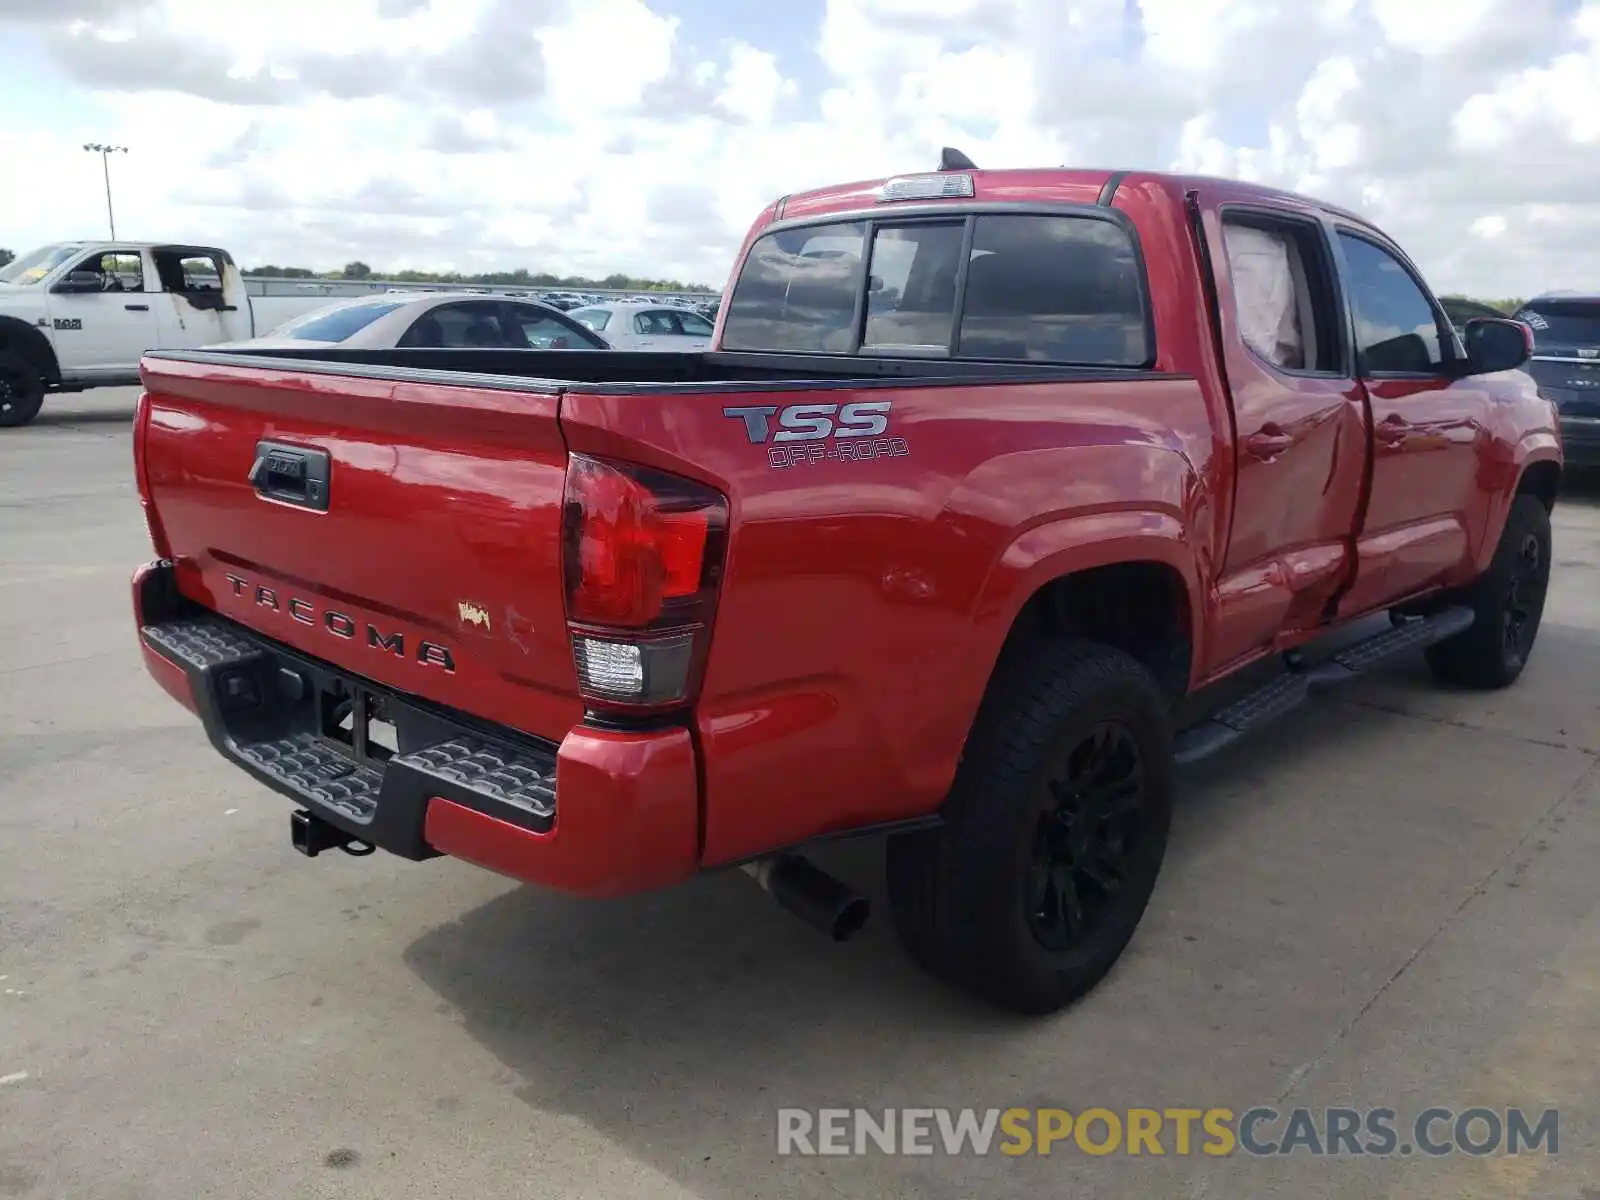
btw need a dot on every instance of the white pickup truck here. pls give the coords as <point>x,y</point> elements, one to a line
<point>76,315</point>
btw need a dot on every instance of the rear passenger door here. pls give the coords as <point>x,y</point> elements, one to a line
<point>191,310</point>
<point>1300,438</point>
<point>1429,429</point>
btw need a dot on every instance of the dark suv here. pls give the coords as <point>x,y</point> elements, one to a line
<point>1566,365</point>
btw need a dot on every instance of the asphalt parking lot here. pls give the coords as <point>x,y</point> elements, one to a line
<point>1391,901</point>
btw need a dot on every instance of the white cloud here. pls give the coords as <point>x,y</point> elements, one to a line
<point>1490,227</point>
<point>1432,27</point>
<point>1324,124</point>
<point>605,135</point>
<point>753,84</point>
<point>604,55</point>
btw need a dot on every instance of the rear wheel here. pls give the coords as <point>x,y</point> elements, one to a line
<point>1053,836</point>
<point>21,390</point>
<point>1508,600</point>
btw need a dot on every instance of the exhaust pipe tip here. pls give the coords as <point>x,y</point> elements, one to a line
<point>847,922</point>
<point>819,899</point>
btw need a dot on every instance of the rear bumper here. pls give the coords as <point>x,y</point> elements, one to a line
<point>1580,441</point>
<point>605,812</point>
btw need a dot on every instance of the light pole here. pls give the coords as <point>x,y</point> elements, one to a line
<point>105,152</point>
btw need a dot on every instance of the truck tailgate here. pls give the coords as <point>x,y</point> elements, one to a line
<point>428,561</point>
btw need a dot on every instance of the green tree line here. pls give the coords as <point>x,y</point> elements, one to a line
<point>521,277</point>
<point>1506,306</point>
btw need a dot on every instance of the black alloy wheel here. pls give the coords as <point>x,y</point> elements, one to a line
<point>1087,835</point>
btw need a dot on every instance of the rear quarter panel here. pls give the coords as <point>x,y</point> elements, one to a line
<point>865,602</point>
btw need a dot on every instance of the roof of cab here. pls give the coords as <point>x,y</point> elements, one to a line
<point>1061,185</point>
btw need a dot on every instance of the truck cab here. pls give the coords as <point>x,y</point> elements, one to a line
<point>80,314</point>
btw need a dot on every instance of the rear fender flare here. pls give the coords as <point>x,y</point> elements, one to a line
<point>30,341</point>
<point>1081,542</point>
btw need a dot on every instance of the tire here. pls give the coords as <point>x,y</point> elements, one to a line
<point>21,390</point>
<point>1508,600</point>
<point>985,901</point>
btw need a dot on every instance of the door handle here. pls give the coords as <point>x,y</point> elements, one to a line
<point>137,307</point>
<point>1268,443</point>
<point>291,474</point>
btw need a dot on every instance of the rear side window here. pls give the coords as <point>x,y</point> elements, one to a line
<point>1038,288</point>
<point>542,331</point>
<point>188,272</point>
<point>1282,295</point>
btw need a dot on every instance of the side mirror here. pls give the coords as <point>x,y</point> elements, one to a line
<point>874,283</point>
<point>1496,344</point>
<point>80,281</point>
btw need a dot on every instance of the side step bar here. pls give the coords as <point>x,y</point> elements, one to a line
<point>1269,702</point>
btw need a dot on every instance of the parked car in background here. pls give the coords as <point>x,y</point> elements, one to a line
<point>76,315</point>
<point>647,326</point>
<point>431,320</point>
<point>1566,365</point>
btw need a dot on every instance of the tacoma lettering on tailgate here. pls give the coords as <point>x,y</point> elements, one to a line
<point>340,625</point>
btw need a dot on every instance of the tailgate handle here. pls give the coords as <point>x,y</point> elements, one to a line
<point>291,475</point>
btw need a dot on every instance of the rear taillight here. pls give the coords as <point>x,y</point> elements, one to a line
<point>141,475</point>
<point>642,555</point>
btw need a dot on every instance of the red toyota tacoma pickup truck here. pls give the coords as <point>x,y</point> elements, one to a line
<point>989,478</point>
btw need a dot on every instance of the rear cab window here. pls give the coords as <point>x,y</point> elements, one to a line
<point>1062,288</point>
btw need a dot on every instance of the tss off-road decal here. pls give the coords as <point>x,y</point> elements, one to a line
<point>799,434</point>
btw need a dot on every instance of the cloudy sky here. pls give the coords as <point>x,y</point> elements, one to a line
<point>591,136</point>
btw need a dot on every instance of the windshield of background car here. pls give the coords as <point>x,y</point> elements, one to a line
<point>1568,324</point>
<point>36,264</point>
<point>337,324</point>
<point>1037,288</point>
<point>594,318</point>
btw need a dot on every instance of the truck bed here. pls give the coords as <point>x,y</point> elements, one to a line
<point>616,370</point>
